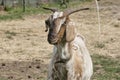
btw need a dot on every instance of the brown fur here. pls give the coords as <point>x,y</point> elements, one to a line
<point>78,65</point>
<point>62,33</point>
<point>68,30</point>
<point>70,33</point>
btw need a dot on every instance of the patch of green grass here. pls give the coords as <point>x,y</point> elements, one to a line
<point>17,13</point>
<point>11,16</point>
<point>106,68</point>
<point>1,78</point>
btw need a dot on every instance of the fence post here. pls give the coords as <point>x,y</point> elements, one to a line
<point>3,4</point>
<point>23,5</point>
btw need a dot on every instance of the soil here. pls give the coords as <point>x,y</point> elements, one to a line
<point>25,52</point>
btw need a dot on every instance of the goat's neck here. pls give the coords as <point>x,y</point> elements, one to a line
<point>62,51</point>
<point>60,46</point>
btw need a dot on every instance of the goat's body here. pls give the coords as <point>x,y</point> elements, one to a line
<point>71,61</point>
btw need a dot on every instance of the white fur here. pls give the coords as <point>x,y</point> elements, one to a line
<point>79,49</point>
<point>57,14</point>
<point>59,25</point>
<point>88,66</point>
<point>61,21</point>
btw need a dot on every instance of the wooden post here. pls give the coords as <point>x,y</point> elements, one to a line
<point>23,5</point>
<point>2,5</point>
<point>2,2</point>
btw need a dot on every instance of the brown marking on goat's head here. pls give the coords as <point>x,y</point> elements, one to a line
<point>56,25</point>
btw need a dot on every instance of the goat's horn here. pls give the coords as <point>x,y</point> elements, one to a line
<point>69,12</point>
<point>53,10</point>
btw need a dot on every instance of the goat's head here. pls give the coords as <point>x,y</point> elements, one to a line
<point>57,25</point>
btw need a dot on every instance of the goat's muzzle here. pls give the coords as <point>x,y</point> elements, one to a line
<point>52,38</point>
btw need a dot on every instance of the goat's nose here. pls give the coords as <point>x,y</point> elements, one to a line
<point>52,36</point>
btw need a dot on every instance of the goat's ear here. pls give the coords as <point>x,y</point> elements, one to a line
<point>47,25</point>
<point>70,32</point>
<point>46,28</point>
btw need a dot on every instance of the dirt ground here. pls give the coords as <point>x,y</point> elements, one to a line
<point>25,52</point>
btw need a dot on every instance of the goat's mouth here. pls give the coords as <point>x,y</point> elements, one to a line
<point>53,41</point>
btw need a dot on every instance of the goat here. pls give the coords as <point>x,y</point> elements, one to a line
<point>71,59</point>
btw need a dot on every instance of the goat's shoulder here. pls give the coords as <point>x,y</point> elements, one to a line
<point>79,41</point>
<point>79,38</point>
